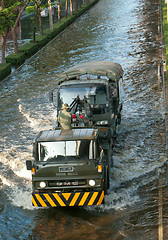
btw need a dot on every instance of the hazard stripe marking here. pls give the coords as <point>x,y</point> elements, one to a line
<point>40,200</point>
<point>93,198</point>
<point>79,199</point>
<point>74,199</point>
<point>54,199</point>
<point>37,204</point>
<point>45,200</point>
<point>52,204</point>
<point>97,198</point>
<point>61,203</point>
<point>67,199</point>
<point>101,198</point>
<point>34,202</point>
<point>83,199</point>
<point>88,198</point>
<point>66,195</point>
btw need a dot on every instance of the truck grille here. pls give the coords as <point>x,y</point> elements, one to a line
<point>66,183</point>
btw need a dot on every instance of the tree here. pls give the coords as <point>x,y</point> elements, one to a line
<point>8,16</point>
<point>71,8</point>
<point>34,9</point>
<point>24,5</point>
<point>76,5</point>
<point>50,14</point>
<point>59,5</point>
<point>39,15</point>
<point>66,8</point>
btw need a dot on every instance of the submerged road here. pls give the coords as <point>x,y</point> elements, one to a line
<point>127,32</point>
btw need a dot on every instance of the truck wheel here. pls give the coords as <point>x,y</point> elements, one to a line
<point>106,179</point>
<point>119,119</point>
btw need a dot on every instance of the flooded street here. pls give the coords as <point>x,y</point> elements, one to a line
<point>126,32</point>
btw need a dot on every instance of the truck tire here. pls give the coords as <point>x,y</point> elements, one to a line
<point>106,179</point>
<point>119,119</point>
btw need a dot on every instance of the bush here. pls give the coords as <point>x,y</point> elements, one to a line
<point>29,49</point>
<point>15,59</point>
<point>5,70</point>
<point>41,40</point>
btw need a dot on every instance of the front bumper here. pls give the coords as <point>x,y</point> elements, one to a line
<point>67,199</point>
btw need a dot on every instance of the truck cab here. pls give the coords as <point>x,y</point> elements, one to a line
<point>69,164</point>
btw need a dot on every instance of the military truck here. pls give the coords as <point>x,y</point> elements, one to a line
<point>93,92</point>
<point>72,167</point>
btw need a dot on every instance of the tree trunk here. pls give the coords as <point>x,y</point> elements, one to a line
<point>40,22</point>
<point>76,5</point>
<point>59,18</point>
<point>66,8</point>
<point>39,17</point>
<point>35,27</point>
<point>14,28</point>
<point>4,46</point>
<point>50,15</point>
<point>15,43</point>
<point>71,8</point>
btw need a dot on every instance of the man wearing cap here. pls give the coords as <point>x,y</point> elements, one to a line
<point>65,117</point>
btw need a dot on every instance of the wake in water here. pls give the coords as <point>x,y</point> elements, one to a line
<point>15,179</point>
<point>137,152</point>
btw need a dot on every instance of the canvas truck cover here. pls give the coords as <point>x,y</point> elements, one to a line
<point>74,134</point>
<point>112,70</point>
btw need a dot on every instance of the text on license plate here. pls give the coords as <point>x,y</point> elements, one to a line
<point>65,169</point>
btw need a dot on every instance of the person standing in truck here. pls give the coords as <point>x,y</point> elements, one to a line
<point>65,117</point>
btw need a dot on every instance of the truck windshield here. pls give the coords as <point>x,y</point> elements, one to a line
<point>50,151</point>
<point>93,95</point>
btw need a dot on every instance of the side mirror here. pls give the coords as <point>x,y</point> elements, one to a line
<point>29,165</point>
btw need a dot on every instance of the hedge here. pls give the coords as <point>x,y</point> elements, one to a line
<point>15,59</point>
<point>29,49</point>
<point>5,70</point>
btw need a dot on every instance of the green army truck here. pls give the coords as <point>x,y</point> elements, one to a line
<point>69,169</point>
<point>93,92</point>
<point>72,167</point>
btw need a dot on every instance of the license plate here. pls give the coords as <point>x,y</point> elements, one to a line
<point>65,169</point>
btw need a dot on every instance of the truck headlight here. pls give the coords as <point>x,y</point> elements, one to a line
<point>105,122</point>
<point>42,184</point>
<point>92,182</point>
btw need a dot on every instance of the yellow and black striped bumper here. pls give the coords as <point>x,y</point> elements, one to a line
<point>67,199</point>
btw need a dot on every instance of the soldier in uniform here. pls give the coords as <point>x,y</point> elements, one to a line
<point>65,117</point>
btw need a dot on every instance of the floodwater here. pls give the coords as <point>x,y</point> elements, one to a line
<point>127,32</point>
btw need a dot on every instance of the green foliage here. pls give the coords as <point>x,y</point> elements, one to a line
<point>5,70</point>
<point>29,49</point>
<point>15,59</point>
<point>8,14</point>
<point>41,40</point>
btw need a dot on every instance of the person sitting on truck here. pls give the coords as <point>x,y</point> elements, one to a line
<point>65,117</point>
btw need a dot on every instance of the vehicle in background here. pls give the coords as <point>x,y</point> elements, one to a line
<point>93,92</point>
